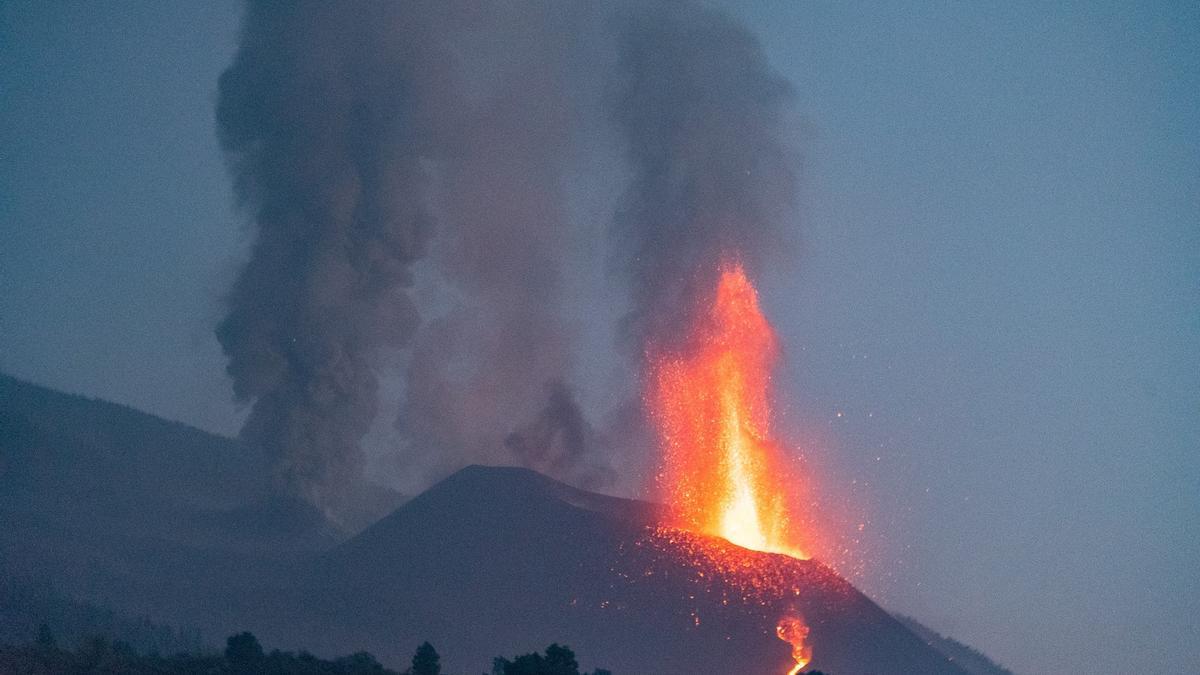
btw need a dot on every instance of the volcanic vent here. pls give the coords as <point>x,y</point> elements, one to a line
<point>722,473</point>
<point>493,558</point>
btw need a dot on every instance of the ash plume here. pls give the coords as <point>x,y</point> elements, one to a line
<point>491,362</point>
<point>327,117</point>
<point>700,112</point>
<point>350,130</point>
<point>560,441</point>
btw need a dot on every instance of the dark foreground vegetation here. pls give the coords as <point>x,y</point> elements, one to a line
<point>244,655</point>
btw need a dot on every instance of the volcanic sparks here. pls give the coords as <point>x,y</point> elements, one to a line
<point>722,473</point>
<point>794,631</point>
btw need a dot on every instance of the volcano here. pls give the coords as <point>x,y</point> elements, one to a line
<point>494,560</point>
<point>490,561</point>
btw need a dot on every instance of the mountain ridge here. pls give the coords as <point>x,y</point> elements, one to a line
<point>491,560</point>
<point>525,560</point>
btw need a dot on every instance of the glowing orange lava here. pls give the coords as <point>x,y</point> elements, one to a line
<point>794,631</point>
<point>722,474</point>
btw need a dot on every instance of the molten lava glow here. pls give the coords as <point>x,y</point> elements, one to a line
<point>794,631</point>
<point>722,473</point>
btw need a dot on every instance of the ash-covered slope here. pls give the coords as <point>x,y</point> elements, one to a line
<point>157,518</point>
<point>104,503</point>
<point>76,463</point>
<point>499,560</point>
<point>113,461</point>
<point>144,515</point>
<point>966,657</point>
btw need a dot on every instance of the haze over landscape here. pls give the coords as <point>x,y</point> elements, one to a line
<point>984,280</point>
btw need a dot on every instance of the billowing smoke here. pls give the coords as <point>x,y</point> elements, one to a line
<point>327,116</point>
<point>382,143</point>
<point>504,347</point>
<point>701,114</point>
<point>561,441</point>
<point>351,131</point>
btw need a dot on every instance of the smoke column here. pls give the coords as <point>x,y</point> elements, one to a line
<point>350,131</point>
<point>700,113</point>
<point>327,116</point>
<point>504,352</point>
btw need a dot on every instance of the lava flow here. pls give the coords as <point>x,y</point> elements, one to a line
<point>722,474</point>
<point>794,631</point>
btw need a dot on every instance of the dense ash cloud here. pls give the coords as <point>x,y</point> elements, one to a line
<point>327,117</point>
<point>503,352</point>
<point>351,131</point>
<point>379,143</point>
<point>701,115</point>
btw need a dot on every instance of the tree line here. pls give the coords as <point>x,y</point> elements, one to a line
<point>244,655</point>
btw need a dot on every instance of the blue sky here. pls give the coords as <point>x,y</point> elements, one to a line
<point>996,285</point>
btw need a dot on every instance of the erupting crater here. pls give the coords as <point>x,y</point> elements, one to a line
<point>722,472</point>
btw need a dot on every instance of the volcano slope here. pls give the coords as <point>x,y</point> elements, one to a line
<point>498,561</point>
<point>152,518</point>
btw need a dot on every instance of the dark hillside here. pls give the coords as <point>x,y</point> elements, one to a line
<point>151,518</point>
<point>493,559</point>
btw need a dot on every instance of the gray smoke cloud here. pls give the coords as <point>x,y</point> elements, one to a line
<point>351,131</point>
<point>481,369</point>
<point>327,117</point>
<point>701,115</point>
<point>378,143</point>
<point>561,441</point>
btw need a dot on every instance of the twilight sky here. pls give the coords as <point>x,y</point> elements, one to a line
<point>992,319</point>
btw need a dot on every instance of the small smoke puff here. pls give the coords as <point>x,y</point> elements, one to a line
<point>561,442</point>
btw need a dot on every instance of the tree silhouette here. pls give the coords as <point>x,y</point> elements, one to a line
<point>243,653</point>
<point>243,656</point>
<point>356,663</point>
<point>559,660</point>
<point>426,661</point>
<point>45,638</point>
<point>97,655</point>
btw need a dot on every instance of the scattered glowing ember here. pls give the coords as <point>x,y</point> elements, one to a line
<point>722,473</point>
<point>723,569</point>
<point>794,631</point>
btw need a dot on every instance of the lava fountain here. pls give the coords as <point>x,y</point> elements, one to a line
<point>722,473</point>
